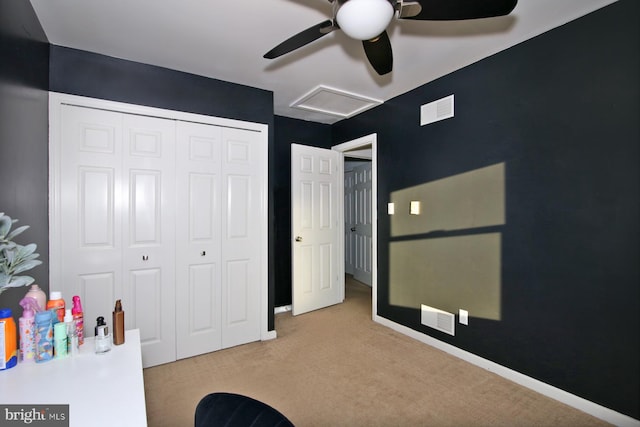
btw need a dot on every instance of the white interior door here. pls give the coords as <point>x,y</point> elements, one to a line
<point>198,234</point>
<point>318,280</point>
<point>349,222</point>
<point>363,223</point>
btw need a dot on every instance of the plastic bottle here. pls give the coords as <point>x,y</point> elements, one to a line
<point>44,336</point>
<point>27,329</point>
<point>71,329</point>
<point>8,340</point>
<point>38,294</point>
<point>73,347</point>
<point>78,317</point>
<point>60,340</point>
<point>56,303</point>
<point>118,324</point>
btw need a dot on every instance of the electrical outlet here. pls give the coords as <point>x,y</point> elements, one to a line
<point>464,316</point>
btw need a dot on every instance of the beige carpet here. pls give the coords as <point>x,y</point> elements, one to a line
<point>336,367</point>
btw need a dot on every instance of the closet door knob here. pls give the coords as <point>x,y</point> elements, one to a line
<point>203,253</point>
<point>145,257</point>
<point>298,239</point>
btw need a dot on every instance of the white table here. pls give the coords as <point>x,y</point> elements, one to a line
<point>100,389</point>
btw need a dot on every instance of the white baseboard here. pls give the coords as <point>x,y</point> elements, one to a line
<point>268,335</point>
<point>282,309</point>
<point>572,400</point>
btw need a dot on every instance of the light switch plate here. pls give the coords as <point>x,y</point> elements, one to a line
<point>391,208</point>
<point>464,316</point>
<point>414,207</point>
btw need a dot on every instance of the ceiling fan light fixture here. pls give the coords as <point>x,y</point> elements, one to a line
<point>364,19</point>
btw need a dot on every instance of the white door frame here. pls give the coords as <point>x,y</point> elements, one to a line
<point>345,148</point>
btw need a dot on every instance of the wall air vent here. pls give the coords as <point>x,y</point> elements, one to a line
<point>438,319</point>
<point>436,110</point>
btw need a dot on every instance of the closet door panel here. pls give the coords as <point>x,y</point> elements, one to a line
<point>198,239</point>
<point>148,294</point>
<point>237,302</point>
<point>145,212</point>
<point>203,200</point>
<point>96,206</point>
<point>97,291</point>
<point>201,316</point>
<point>238,206</point>
<point>242,170</point>
<point>89,217</point>
<point>146,290</point>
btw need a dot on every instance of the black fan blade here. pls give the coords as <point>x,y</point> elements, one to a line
<point>449,10</point>
<point>302,38</point>
<point>379,53</point>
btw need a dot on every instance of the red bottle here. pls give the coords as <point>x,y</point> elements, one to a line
<point>78,318</point>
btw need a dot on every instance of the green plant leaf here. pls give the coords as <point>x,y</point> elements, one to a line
<point>30,257</point>
<point>24,266</point>
<point>16,282</point>
<point>17,231</point>
<point>5,225</point>
<point>24,251</point>
<point>8,245</point>
<point>15,258</point>
<point>10,254</point>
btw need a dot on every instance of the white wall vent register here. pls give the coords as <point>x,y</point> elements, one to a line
<point>438,319</point>
<point>436,110</point>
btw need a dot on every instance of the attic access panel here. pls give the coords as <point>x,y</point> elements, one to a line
<point>335,102</point>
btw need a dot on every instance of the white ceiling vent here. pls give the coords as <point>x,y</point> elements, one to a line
<point>335,102</point>
<point>436,110</point>
<point>438,319</point>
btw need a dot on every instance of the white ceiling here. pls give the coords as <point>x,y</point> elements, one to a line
<point>226,40</point>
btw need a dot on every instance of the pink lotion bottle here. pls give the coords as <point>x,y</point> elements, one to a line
<point>38,294</point>
<point>78,318</point>
<point>27,329</point>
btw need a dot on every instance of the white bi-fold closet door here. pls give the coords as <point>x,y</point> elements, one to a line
<point>165,214</point>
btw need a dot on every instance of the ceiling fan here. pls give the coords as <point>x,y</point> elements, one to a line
<point>367,20</point>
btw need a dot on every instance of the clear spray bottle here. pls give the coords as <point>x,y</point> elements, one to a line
<point>72,337</point>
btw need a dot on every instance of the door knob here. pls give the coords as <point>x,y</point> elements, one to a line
<point>203,253</point>
<point>298,239</point>
<point>145,257</point>
<point>353,229</point>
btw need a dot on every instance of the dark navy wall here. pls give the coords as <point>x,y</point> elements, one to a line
<point>288,131</point>
<point>24,134</point>
<point>97,76</point>
<point>83,73</point>
<point>561,111</point>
